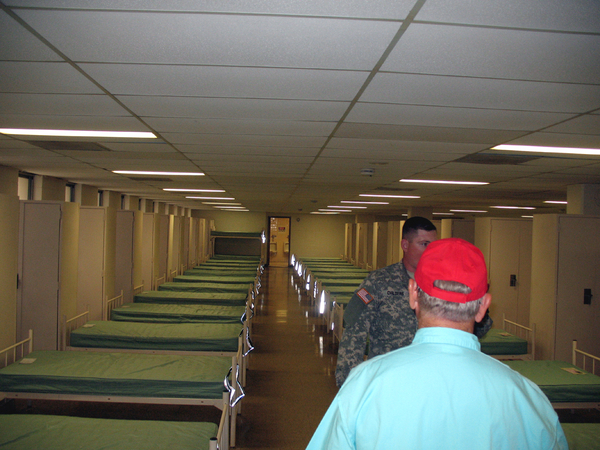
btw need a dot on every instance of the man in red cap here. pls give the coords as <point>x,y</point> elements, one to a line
<point>441,391</point>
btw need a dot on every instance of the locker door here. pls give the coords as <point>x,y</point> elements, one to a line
<point>39,307</point>
<point>578,259</point>
<point>148,237</point>
<point>510,269</point>
<point>92,248</point>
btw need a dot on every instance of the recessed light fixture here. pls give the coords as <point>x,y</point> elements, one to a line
<point>148,172</point>
<point>389,196</point>
<point>346,206</point>
<point>474,183</point>
<point>366,203</point>
<point>468,210</point>
<point>512,207</point>
<point>192,190</point>
<point>211,198</point>
<point>556,202</point>
<point>542,149</point>
<point>78,133</point>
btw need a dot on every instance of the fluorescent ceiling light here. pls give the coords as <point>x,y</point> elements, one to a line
<point>527,217</point>
<point>556,202</point>
<point>230,207</point>
<point>352,207</point>
<point>389,196</point>
<point>443,214</point>
<point>335,210</point>
<point>475,183</point>
<point>148,172</point>
<point>220,203</point>
<point>541,149</point>
<point>78,133</point>
<point>512,207</point>
<point>468,210</point>
<point>366,203</point>
<point>328,212</point>
<point>211,198</point>
<point>193,190</point>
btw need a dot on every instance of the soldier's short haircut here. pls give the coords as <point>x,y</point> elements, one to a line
<point>412,226</point>
<point>456,312</point>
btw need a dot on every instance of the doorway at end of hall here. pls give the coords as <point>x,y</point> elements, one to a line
<point>279,241</point>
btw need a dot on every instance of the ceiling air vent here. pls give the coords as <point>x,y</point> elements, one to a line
<point>494,159</point>
<point>70,145</point>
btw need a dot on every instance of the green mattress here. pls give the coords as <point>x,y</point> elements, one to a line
<point>232,264</point>
<point>208,337</point>
<point>327,282</point>
<point>222,272</point>
<point>117,374</point>
<point>339,274</point>
<point>205,287</point>
<point>33,431</point>
<point>208,297</point>
<point>582,436</point>
<point>235,257</point>
<point>214,279</point>
<point>499,342</point>
<point>173,313</point>
<point>558,384</point>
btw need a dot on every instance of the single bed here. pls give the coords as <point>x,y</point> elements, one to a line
<point>205,287</point>
<point>567,385</point>
<point>512,341</point>
<point>227,279</point>
<point>177,313</point>
<point>201,296</point>
<point>38,431</point>
<point>120,377</point>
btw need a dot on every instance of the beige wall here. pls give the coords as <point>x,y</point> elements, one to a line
<point>49,188</point>
<point>86,195</point>
<point>9,180</point>
<point>313,235</point>
<point>235,221</point>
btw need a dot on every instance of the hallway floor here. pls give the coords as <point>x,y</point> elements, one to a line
<point>290,382</point>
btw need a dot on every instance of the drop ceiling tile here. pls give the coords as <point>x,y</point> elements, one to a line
<point>44,78</point>
<point>541,14</point>
<point>55,104</point>
<point>196,151</point>
<point>588,124</point>
<point>426,133</point>
<point>213,39</point>
<point>15,37</point>
<point>446,117</point>
<point>42,121</point>
<point>559,140</point>
<point>243,127</point>
<point>281,142</point>
<point>222,108</point>
<point>467,92</point>
<point>234,82</point>
<point>336,8</point>
<point>496,53</point>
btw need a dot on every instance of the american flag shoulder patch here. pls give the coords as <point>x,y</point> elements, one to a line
<point>364,295</point>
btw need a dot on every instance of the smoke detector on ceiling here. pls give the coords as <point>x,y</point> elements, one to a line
<point>367,172</point>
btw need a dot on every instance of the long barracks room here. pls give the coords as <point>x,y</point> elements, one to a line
<point>192,191</point>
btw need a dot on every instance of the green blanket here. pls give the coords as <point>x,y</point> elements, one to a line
<point>208,337</point>
<point>32,431</point>
<point>214,279</point>
<point>205,287</point>
<point>174,313</point>
<point>207,297</point>
<point>117,374</point>
<point>499,342</point>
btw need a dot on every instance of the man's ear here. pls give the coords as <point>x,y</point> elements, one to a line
<point>413,298</point>
<point>485,304</point>
<point>404,244</point>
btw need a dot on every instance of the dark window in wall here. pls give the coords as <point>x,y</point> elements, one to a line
<point>100,198</point>
<point>70,192</point>
<point>25,188</point>
<point>122,201</point>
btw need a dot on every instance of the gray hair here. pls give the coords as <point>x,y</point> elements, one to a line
<point>456,312</point>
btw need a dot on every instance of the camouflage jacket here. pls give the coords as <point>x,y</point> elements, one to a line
<point>379,312</point>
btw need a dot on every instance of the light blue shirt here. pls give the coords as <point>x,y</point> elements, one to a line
<point>440,392</point>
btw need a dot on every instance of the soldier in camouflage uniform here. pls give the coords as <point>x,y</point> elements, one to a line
<point>379,310</point>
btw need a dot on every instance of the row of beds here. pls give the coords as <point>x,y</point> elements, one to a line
<point>331,282</point>
<point>184,343</point>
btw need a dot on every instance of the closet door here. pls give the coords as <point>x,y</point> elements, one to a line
<point>124,255</point>
<point>576,316</point>
<point>39,268</point>
<point>149,243</point>
<point>92,251</point>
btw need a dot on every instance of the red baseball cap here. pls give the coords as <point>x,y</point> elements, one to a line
<point>452,259</point>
